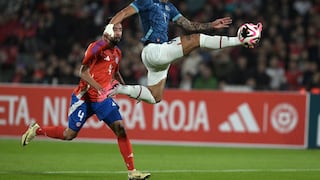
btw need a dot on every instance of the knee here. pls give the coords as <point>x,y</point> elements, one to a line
<point>121,131</point>
<point>190,42</point>
<point>158,99</point>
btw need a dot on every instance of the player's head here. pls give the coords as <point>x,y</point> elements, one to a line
<point>117,28</point>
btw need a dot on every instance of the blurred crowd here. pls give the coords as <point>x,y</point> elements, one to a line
<point>43,41</point>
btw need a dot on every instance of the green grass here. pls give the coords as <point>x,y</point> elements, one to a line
<point>75,160</point>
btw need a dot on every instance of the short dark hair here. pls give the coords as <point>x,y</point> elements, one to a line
<point>109,19</point>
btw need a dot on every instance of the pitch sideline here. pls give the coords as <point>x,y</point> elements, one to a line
<point>164,171</point>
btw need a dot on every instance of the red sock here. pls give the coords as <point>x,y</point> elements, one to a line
<point>51,131</point>
<point>126,151</point>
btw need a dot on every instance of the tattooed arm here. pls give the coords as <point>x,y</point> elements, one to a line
<point>197,26</point>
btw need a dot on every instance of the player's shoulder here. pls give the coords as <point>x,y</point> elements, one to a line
<point>99,42</point>
<point>142,4</point>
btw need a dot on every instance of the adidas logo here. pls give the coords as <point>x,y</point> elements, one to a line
<point>241,121</point>
<point>107,58</point>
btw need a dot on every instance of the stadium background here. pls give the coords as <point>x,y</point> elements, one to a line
<point>43,42</point>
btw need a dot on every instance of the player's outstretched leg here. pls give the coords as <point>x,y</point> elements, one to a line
<point>138,175</point>
<point>248,35</point>
<point>29,134</point>
<point>138,92</point>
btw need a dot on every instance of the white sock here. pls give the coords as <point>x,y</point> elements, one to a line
<point>218,42</point>
<point>137,92</point>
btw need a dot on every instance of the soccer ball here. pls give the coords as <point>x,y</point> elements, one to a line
<point>249,34</point>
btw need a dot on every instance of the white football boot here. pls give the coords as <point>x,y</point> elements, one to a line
<point>29,134</point>
<point>138,175</point>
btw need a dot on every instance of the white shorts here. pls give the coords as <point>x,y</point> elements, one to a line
<point>157,58</point>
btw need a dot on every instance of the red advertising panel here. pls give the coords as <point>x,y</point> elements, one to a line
<point>187,117</point>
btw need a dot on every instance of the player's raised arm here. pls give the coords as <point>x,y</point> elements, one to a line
<point>118,18</point>
<point>123,14</point>
<point>199,27</point>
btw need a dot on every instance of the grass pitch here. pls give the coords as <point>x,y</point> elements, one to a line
<point>79,160</point>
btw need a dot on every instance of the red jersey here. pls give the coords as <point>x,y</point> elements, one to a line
<point>103,63</point>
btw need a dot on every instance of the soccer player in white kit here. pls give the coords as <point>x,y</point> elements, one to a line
<point>158,51</point>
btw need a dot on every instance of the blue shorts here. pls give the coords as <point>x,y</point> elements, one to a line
<point>80,111</point>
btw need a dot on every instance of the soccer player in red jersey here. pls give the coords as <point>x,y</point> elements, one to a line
<point>99,72</point>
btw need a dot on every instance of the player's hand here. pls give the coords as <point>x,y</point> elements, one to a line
<point>222,23</point>
<point>109,91</point>
<point>113,90</point>
<point>108,30</point>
